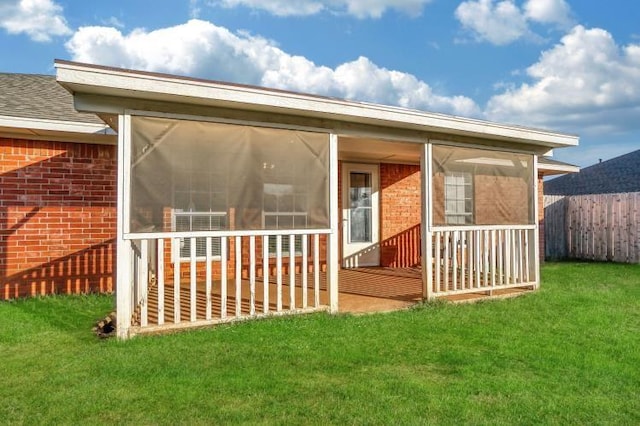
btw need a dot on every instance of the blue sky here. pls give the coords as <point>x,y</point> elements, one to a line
<point>566,65</point>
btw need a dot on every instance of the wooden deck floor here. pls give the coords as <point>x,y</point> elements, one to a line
<point>362,290</point>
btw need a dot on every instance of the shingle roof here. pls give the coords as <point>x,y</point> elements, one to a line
<point>620,174</point>
<point>38,97</point>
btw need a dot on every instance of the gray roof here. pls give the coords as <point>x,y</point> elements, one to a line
<point>620,174</point>
<point>39,97</point>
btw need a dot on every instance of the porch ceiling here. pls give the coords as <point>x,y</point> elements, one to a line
<point>374,150</point>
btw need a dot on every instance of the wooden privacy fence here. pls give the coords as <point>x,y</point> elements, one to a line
<point>594,227</point>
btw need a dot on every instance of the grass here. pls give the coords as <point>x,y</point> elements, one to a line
<point>569,353</point>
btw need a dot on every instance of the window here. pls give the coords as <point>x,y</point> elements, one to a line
<point>284,205</point>
<point>200,198</point>
<point>199,221</point>
<point>458,198</point>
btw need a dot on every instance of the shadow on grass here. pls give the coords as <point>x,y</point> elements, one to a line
<point>74,315</point>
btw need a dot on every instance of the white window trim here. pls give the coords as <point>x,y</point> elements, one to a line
<point>284,253</point>
<point>176,257</point>
<point>468,181</point>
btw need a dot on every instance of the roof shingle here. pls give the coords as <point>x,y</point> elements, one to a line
<point>38,97</point>
<point>620,174</point>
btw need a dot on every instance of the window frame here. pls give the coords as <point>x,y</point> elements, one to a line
<point>185,242</point>
<point>467,214</point>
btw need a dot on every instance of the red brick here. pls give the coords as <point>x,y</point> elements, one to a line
<point>49,247</point>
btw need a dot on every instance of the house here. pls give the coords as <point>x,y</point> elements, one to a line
<point>236,202</point>
<point>617,175</point>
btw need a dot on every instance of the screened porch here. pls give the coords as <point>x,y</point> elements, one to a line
<point>228,221</point>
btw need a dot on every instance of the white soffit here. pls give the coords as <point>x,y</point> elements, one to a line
<point>99,80</point>
<point>66,131</point>
<point>54,125</point>
<point>556,167</point>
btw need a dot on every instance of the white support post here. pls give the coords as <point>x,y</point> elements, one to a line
<point>534,245</point>
<point>426,204</point>
<point>332,246</point>
<point>124,252</point>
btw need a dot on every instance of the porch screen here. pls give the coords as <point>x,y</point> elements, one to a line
<point>481,187</point>
<point>199,176</point>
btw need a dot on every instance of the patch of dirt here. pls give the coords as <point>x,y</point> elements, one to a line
<point>106,327</point>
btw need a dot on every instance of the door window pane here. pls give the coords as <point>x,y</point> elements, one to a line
<point>360,190</point>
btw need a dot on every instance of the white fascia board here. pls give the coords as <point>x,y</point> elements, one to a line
<point>54,125</point>
<point>558,168</point>
<point>141,85</point>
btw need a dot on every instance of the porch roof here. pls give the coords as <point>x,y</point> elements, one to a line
<point>549,166</point>
<point>93,80</point>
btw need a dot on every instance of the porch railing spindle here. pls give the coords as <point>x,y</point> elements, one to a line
<point>192,280</point>
<point>292,272</point>
<point>238,276</point>
<point>223,277</point>
<point>160,278</point>
<point>278,273</point>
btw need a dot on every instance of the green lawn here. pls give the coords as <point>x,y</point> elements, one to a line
<point>569,353</point>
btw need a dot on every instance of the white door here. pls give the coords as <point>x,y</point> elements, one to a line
<point>360,226</point>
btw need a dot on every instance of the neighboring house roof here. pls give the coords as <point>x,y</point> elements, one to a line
<point>548,167</point>
<point>36,106</point>
<point>126,89</point>
<point>620,174</point>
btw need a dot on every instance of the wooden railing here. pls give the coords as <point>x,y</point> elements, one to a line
<point>250,274</point>
<point>482,258</point>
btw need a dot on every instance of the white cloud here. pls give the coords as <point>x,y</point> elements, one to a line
<point>585,83</point>
<point>503,22</point>
<point>358,8</point>
<point>199,48</point>
<point>498,23</point>
<point>548,12</point>
<point>39,19</point>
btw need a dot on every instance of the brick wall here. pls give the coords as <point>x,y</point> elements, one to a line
<point>57,217</point>
<point>400,213</point>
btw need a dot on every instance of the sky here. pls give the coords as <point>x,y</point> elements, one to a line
<point>571,66</point>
